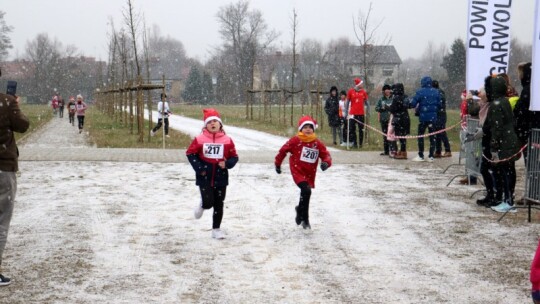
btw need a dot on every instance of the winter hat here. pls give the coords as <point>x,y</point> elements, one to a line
<point>211,114</point>
<point>79,96</point>
<point>333,88</point>
<point>71,98</point>
<point>386,87</point>
<point>307,120</point>
<point>358,81</point>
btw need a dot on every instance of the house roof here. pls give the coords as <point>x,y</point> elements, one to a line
<point>381,54</point>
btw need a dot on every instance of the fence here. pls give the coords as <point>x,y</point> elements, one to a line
<point>470,151</point>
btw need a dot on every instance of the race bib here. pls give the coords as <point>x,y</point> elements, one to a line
<point>213,151</point>
<point>72,107</point>
<point>309,155</point>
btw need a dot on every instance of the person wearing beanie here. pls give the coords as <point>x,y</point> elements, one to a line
<point>11,120</point>
<point>358,98</point>
<point>212,154</point>
<point>331,107</point>
<point>343,113</point>
<point>163,116</point>
<point>305,149</point>
<point>80,107</point>
<point>383,107</point>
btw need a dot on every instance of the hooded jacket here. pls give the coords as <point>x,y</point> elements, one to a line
<point>399,109</point>
<point>11,120</point>
<point>500,120</point>
<point>331,107</point>
<point>522,114</point>
<point>428,99</point>
<point>205,152</point>
<point>383,106</point>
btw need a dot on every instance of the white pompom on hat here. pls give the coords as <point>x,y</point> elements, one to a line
<point>211,114</point>
<point>307,120</point>
<point>358,81</point>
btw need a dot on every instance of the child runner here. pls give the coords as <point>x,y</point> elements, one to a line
<point>71,110</point>
<point>212,154</point>
<point>305,149</point>
<point>81,109</point>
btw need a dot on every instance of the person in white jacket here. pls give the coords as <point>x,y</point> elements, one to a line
<point>163,115</point>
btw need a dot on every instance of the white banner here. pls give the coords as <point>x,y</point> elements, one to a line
<point>535,90</point>
<point>488,40</point>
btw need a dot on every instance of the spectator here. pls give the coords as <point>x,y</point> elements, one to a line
<point>357,97</point>
<point>401,121</point>
<point>344,113</point>
<point>331,107</point>
<point>429,101</point>
<point>383,107</point>
<point>441,138</point>
<point>11,120</point>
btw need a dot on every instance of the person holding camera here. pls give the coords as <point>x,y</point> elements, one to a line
<point>11,120</point>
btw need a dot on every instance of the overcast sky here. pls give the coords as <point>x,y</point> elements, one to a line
<point>411,24</point>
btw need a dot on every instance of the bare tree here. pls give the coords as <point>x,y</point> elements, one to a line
<point>294,25</point>
<point>244,33</point>
<point>367,35</point>
<point>5,40</point>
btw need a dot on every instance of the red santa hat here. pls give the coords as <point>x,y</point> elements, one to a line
<point>358,81</point>
<point>306,120</point>
<point>211,114</point>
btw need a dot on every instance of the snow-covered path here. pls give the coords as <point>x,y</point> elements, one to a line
<point>124,232</point>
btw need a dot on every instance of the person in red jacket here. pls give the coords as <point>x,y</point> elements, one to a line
<point>535,276</point>
<point>305,149</point>
<point>357,97</point>
<point>212,154</point>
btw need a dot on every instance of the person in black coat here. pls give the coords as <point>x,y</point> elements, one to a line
<point>400,119</point>
<point>331,107</point>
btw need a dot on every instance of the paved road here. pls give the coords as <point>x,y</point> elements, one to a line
<point>59,141</point>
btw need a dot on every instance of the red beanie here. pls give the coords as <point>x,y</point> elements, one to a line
<point>306,120</point>
<point>211,114</point>
<point>358,81</point>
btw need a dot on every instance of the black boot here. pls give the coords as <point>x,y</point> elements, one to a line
<point>487,201</point>
<point>298,219</point>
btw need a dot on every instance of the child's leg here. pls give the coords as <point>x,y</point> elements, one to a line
<point>303,206</point>
<point>219,198</point>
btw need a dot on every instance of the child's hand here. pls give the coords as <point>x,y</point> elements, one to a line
<point>278,169</point>
<point>221,164</point>
<point>324,166</point>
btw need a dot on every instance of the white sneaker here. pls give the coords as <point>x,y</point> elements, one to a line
<point>504,207</point>
<point>418,159</point>
<point>218,234</point>
<point>152,133</point>
<point>343,144</point>
<point>198,211</point>
<point>430,159</point>
<point>167,136</point>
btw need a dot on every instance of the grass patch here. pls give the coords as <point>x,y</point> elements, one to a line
<point>105,132</point>
<point>38,116</point>
<point>235,115</point>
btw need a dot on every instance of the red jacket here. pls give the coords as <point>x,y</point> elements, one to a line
<point>304,158</point>
<point>205,152</point>
<point>357,100</point>
<point>535,270</point>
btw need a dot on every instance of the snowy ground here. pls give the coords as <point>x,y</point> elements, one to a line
<point>123,232</point>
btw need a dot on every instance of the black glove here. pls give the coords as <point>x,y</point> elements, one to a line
<point>324,166</point>
<point>278,169</point>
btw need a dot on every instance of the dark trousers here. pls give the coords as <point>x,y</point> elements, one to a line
<point>352,130</point>
<point>71,118</point>
<point>386,143</point>
<point>440,140</point>
<point>158,125</point>
<point>213,197</point>
<point>305,195</point>
<point>81,121</point>
<point>494,190</point>
<point>61,112</point>
<point>422,126</point>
